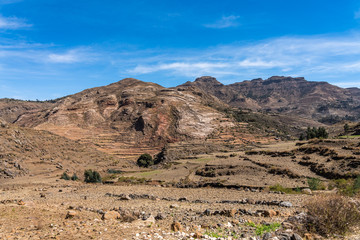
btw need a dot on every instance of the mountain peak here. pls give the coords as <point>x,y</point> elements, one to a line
<point>208,80</point>
<point>283,78</point>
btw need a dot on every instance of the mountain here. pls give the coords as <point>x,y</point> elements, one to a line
<point>130,113</point>
<point>11,109</point>
<point>319,101</point>
<point>25,151</point>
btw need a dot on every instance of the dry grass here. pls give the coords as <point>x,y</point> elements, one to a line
<point>332,214</point>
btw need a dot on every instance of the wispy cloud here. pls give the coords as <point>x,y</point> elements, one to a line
<point>357,14</point>
<point>318,57</point>
<point>13,23</point>
<point>71,56</point>
<point>224,22</point>
<point>3,2</point>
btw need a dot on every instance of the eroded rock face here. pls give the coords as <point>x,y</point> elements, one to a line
<point>286,95</point>
<point>131,111</point>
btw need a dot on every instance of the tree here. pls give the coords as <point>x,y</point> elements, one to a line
<point>145,160</point>
<point>346,128</point>
<point>92,176</point>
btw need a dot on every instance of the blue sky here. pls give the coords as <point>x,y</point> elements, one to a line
<point>52,48</point>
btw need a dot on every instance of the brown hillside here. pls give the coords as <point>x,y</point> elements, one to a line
<point>25,151</point>
<point>320,101</point>
<point>130,113</point>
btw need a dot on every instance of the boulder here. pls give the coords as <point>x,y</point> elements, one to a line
<point>111,215</point>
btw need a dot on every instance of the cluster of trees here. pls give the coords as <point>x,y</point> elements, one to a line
<point>314,132</point>
<point>90,176</point>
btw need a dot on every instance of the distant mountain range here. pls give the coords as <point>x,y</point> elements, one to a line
<point>319,101</point>
<point>132,113</point>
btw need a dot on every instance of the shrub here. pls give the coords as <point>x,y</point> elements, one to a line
<point>315,184</point>
<point>74,177</point>
<point>92,176</point>
<point>145,160</point>
<point>347,187</point>
<point>65,176</point>
<point>332,214</point>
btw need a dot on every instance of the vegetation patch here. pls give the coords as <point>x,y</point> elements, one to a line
<point>332,214</point>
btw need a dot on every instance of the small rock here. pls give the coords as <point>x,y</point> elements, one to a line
<point>111,215</point>
<point>42,195</point>
<point>295,237</point>
<point>160,216</point>
<point>267,236</point>
<point>197,235</point>
<point>176,226</point>
<point>306,191</point>
<point>285,204</point>
<point>70,214</point>
<point>174,206</point>
<point>125,197</point>
<point>269,213</point>
<point>21,202</point>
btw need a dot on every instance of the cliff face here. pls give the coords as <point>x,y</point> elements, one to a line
<point>295,96</point>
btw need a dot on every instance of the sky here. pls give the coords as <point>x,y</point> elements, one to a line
<point>53,48</point>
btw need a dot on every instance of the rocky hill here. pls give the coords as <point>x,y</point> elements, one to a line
<point>11,109</point>
<point>25,151</point>
<point>130,113</point>
<point>319,101</point>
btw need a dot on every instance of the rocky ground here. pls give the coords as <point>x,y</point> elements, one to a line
<point>59,209</point>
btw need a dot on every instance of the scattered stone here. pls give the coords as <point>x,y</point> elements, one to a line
<point>295,237</point>
<point>21,202</point>
<point>111,215</point>
<point>42,195</point>
<point>267,236</point>
<point>125,197</point>
<point>306,191</point>
<point>160,216</point>
<point>176,226</point>
<point>285,204</point>
<point>70,214</point>
<point>197,235</point>
<point>174,206</point>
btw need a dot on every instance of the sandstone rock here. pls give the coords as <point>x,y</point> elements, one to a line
<point>70,214</point>
<point>176,226</point>
<point>111,215</point>
<point>21,202</point>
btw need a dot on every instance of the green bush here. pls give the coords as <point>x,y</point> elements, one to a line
<point>315,184</point>
<point>74,177</point>
<point>92,176</point>
<point>145,160</point>
<point>65,176</point>
<point>347,187</point>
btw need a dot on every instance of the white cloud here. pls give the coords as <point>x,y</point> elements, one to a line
<point>321,57</point>
<point>12,23</point>
<point>224,22</point>
<point>71,56</point>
